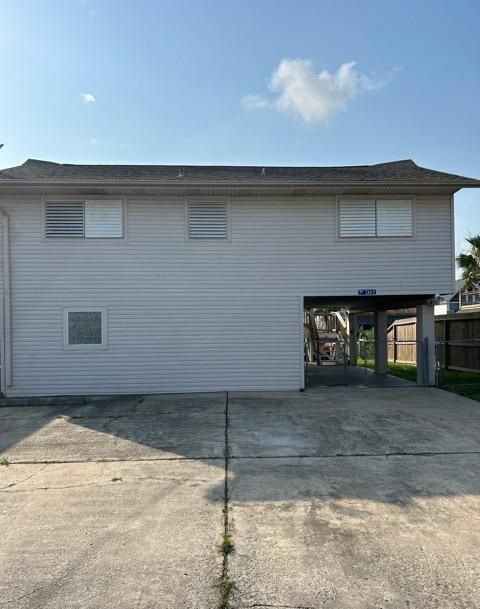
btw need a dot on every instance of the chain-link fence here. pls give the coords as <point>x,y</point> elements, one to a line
<point>401,359</point>
<point>343,363</point>
<point>457,364</point>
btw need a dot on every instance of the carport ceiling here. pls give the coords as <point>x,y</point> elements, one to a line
<point>360,304</point>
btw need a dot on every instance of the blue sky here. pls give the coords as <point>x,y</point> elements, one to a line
<point>204,81</point>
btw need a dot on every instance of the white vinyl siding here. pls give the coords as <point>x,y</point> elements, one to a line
<point>375,218</point>
<point>88,219</point>
<point>207,220</point>
<point>394,218</point>
<point>103,219</point>
<point>226,316</point>
<point>357,218</point>
<point>64,219</point>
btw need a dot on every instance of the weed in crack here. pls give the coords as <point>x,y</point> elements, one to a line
<point>226,545</point>
<point>226,587</point>
<point>4,461</point>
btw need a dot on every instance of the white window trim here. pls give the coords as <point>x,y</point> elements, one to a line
<point>411,198</point>
<point>214,199</point>
<point>83,239</point>
<point>86,347</point>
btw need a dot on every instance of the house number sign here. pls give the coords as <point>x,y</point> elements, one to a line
<point>367,292</point>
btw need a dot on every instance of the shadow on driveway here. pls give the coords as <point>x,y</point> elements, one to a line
<point>343,425</point>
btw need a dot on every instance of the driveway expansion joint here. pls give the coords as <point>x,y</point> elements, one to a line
<point>226,585</point>
<point>80,461</point>
<point>358,455</point>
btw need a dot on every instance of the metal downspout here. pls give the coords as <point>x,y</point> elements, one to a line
<point>6,338</point>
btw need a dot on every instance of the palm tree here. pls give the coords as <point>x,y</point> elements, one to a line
<point>469,262</point>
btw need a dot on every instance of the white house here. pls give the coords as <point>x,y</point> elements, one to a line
<point>136,279</point>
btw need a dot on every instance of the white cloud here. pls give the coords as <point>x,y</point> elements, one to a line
<point>312,97</point>
<point>253,102</point>
<point>88,98</point>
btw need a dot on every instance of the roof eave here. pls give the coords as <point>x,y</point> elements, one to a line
<point>237,184</point>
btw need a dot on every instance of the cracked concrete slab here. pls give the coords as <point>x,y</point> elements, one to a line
<point>142,528</point>
<point>356,533</point>
<point>155,427</point>
<point>112,535</point>
<point>352,420</point>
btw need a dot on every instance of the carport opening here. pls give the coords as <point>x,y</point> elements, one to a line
<point>348,340</point>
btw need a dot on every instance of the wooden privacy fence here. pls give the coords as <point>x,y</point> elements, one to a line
<point>401,337</point>
<point>457,339</point>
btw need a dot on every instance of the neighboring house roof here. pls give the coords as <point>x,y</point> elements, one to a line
<point>458,286</point>
<point>396,173</point>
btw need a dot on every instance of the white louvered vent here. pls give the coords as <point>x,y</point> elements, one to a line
<point>394,218</point>
<point>64,219</point>
<point>376,218</point>
<point>207,220</point>
<point>357,218</point>
<point>103,219</point>
<point>89,219</point>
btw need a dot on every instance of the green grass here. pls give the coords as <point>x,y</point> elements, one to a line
<point>469,391</point>
<point>404,371</point>
<point>463,383</point>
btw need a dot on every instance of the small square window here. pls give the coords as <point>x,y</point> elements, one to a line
<point>84,328</point>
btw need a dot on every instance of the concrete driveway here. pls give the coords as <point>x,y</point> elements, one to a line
<point>337,498</point>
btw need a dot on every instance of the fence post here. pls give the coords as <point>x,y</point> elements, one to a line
<point>445,342</point>
<point>438,362</point>
<point>425,361</point>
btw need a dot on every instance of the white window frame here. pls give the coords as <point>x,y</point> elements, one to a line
<point>82,239</point>
<point>83,347</point>
<point>214,199</point>
<point>375,198</point>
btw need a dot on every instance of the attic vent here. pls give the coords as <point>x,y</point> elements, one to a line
<point>103,219</point>
<point>394,218</point>
<point>64,219</point>
<point>89,219</point>
<point>207,220</point>
<point>357,218</point>
<point>376,218</point>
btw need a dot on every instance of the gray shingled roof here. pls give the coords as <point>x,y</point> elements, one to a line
<point>405,171</point>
